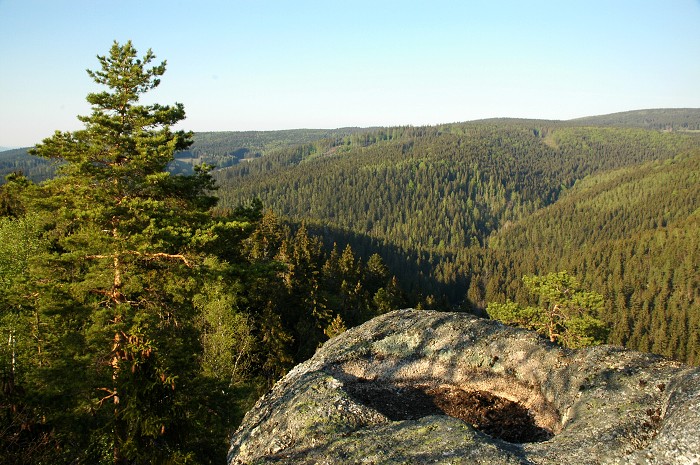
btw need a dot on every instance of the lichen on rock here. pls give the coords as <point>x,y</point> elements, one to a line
<point>418,386</point>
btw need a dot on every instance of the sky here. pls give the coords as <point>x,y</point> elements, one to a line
<point>241,65</point>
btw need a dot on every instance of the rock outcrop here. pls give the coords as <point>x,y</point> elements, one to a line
<point>417,386</point>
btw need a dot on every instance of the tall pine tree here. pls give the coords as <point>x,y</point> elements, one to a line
<point>126,252</point>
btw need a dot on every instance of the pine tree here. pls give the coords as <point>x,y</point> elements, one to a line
<point>126,244</point>
<point>567,314</point>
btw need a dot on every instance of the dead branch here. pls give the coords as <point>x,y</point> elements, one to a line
<point>154,255</point>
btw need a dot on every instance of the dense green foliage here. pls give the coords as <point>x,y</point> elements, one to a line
<point>446,186</point>
<point>565,313</point>
<point>215,149</point>
<point>138,324</point>
<point>632,234</point>
<point>460,213</point>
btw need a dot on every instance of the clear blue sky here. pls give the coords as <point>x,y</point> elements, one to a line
<point>256,64</point>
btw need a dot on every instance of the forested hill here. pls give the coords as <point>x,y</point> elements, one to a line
<point>436,189</point>
<point>226,148</point>
<point>219,149</point>
<point>15,160</point>
<point>634,235</point>
<point>439,204</point>
<point>460,212</point>
<point>676,119</point>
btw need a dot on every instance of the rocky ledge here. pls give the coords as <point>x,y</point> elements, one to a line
<point>418,386</point>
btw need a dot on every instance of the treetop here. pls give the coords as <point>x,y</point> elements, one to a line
<point>122,69</point>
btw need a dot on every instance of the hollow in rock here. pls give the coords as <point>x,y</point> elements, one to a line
<point>491,414</point>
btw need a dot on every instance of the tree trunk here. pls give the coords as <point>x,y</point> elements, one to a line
<point>118,428</point>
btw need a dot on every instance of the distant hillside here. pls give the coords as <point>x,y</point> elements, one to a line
<point>461,212</point>
<point>36,169</point>
<point>634,235</point>
<point>226,148</point>
<point>676,119</point>
<point>435,189</point>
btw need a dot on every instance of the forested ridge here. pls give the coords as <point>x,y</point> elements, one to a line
<point>19,160</point>
<point>667,119</point>
<point>634,235</point>
<point>438,187</point>
<point>215,149</point>
<point>226,148</point>
<point>461,212</point>
<point>442,206</point>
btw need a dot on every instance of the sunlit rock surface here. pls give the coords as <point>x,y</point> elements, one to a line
<point>383,393</point>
